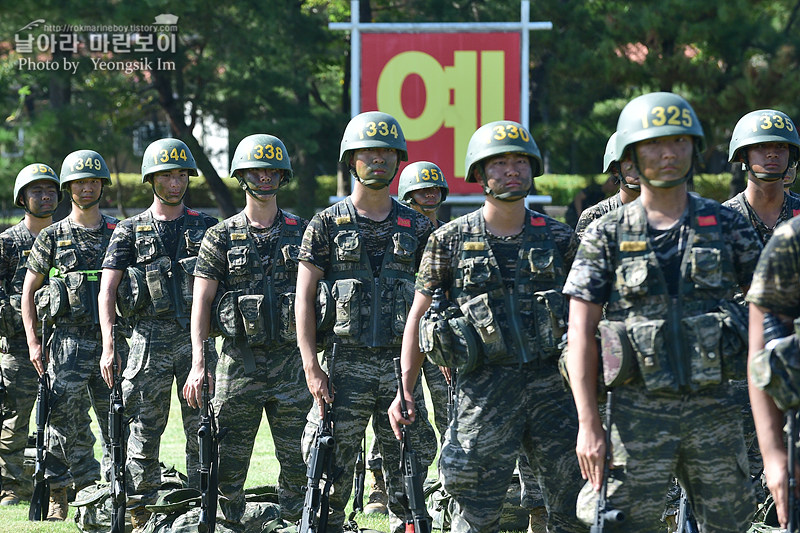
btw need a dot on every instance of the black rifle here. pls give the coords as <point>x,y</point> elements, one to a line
<point>320,463</point>
<point>791,445</point>
<point>208,443</point>
<point>3,393</point>
<point>413,496</point>
<point>685,521</point>
<point>451,395</point>
<point>116,434</point>
<point>360,478</point>
<point>605,512</point>
<point>40,500</point>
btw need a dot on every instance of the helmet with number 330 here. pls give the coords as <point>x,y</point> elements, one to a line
<point>501,137</point>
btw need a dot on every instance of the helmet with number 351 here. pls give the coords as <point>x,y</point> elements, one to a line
<point>657,115</point>
<point>83,164</point>
<point>31,173</point>
<point>421,175</point>
<point>501,137</point>
<point>167,154</point>
<point>262,151</point>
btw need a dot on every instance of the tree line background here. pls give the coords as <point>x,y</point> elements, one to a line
<point>273,66</point>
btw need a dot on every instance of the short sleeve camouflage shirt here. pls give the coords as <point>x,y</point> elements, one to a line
<point>88,241</point>
<point>776,282</point>
<point>790,208</point>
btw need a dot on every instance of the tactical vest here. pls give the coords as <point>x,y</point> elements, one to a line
<point>169,280</point>
<point>11,310</point>
<point>522,325</point>
<point>678,341</point>
<point>75,284</point>
<point>371,311</point>
<point>265,300</point>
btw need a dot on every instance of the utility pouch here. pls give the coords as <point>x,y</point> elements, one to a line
<point>186,279</point>
<point>146,248</point>
<point>325,307</point>
<point>59,299</point>
<point>776,371</point>
<point>11,316</point>
<point>542,263</point>
<point>632,275</point>
<point>226,314</point>
<point>41,299</point>
<point>550,309</point>
<point>616,353</point>
<point>250,307</point>
<point>347,293</point>
<point>348,246</point>
<point>703,340</point>
<point>194,238</point>
<point>404,247</point>
<point>735,324</point>
<point>448,340</point>
<point>290,253</point>
<point>157,276</point>
<point>288,326</point>
<point>132,292</point>
<point>706,268</point>
<point>402,297</point>
<point>238,257</point>
<point>479,313</point>
<point>648,339</point>
<point>77,295</point>
<point>477,271</point>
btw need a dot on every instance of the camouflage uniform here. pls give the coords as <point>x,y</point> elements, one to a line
<point>19,375</point>
<point>776,281</point>
<point>160,345</point>
<point>590,214</point>
<point>75,350</point>
<point>504,406</point>
<point>791,208</point>
<point>267,376</point>
<point>683,422</point>
<point>363,374</point>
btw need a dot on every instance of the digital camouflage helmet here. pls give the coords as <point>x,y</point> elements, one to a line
<point>83,164</point>
<point>167,154</point>
<point>611,159</point>
<point>764,126</point>
<point>497,138</point>
<point>373,129</point>
<point>418,176</point>
<point>654,115</point>
<point>29,174</point>
<point>261,151</point>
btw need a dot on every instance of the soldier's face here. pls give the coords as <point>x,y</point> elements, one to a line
<point>665,158</point>
<point>508,173</point>
<point>629,174</point>
<point>171,184</point>
<point>768,157</point>
<point>262,179</point>
<point>86,191</point>
<point>375,163</point>
<point>40,196</point>
<point>427,199</point>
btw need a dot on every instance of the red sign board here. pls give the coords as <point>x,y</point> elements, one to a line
<point>441,87</point>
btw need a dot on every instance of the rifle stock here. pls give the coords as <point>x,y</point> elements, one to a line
<point>413,496</point>
<point>40,501</point>
<point>320,463</point>
<point>605,512</point>
<point>116,433</point>
<point>208,443</point>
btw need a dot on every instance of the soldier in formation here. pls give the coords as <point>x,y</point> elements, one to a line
<point>366,248</point>
<point>503,267</point>
<point>666,268</point>
<point>147,274</point>
<point>251,259</point>
<point>68,255</point>
<point>37,191</point>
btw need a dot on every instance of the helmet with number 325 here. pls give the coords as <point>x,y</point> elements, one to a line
<point>501,137</point>
<point>167,154</point>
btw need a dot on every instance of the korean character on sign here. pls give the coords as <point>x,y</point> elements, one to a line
<point>144,42</point>
<point>120,43</point>
<point>166,42</point>
<point>68,42</point>
<point>23,45</point>
<point>46,43</point>
<point>98,42</point>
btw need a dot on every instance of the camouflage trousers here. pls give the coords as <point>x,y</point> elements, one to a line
<point>695,437</point>
<point>278,388</point>
<point>502,410</point>
<point>365,386</point>
<point>20,379</point>
<point>159,351</point>
<point>437,385</point>
<point>77,386</point>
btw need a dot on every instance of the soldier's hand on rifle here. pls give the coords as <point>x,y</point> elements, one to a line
<point>193,388</point>
<point>777,475</point>
<point>447,373</point>
<point>107,364</point>
<point>37,357</point>
<point>317,382</point>
<point>396,414</point>
<point>591,451</point>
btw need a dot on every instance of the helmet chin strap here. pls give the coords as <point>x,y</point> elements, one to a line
<point>90,204</point>
<point>428,208</point>
<point>375,184</point>
<point>769,177</point>
<point>508,196</point>
<point>631,186</point>
<point>661,184</point>
<point>258,195</point>
<point>162,200</point>
<point>41,214</point>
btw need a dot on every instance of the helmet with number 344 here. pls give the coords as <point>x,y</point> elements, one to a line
<point>167,154</point>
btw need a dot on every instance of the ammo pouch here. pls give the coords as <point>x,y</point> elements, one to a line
<point>226,315</point>
<point>449,340</point>
<point>82,289</point>
<point>347,294</point>
<point>287,329</point>
<point>616,353</point>
<point>402,297</point>
<point>51,300</point>
<point>404,246</point>
<point>157,276</point>
<point>550,309</point>
<point>186,280</point>
<point>478,313</point>
<point>735,324</point>
<point>648,338</point>
<point>256,329</point>
<point>325,307</point>
<point>702,335</point>
<point>132,293</point>
<point>11,316</point>
<point>776,370</point>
